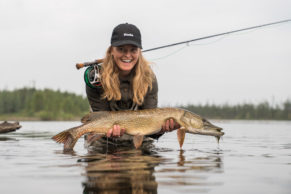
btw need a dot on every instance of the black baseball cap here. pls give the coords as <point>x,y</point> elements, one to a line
<point>126,34</point>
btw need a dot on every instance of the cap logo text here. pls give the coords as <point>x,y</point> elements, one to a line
<point>128,34</point>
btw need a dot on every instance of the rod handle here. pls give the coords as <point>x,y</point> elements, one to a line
<point>81,65</point>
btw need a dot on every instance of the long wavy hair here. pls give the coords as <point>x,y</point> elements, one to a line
<point>141,80</point>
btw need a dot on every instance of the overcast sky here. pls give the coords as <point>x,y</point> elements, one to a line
<point>41,41</point>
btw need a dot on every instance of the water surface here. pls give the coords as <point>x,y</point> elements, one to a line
<point>252,157</point>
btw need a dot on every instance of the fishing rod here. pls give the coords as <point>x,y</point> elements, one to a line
<point>215,35</point>
<point>98,61</point>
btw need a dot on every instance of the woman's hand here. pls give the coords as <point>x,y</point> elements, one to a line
<point>169,126</point>
<point>116,131</point>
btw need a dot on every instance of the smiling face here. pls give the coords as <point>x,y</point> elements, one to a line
<point>125,57</point>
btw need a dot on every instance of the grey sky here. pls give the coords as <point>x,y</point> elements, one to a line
<point>41,41</point>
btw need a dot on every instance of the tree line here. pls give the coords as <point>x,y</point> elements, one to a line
<point>44,104</point>
<point>48,104</point>
<point>261,111</point>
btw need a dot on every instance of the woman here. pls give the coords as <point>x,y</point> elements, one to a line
<point>127,80</point>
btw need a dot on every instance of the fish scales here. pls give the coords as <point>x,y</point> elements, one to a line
<point>144,122</point>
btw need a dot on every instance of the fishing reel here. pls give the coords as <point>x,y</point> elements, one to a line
<point>92,75</point>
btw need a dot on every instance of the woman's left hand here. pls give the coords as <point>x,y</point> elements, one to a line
<point>169,126</point>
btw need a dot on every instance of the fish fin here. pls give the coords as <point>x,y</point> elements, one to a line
<point>137,140</point>
<point>61,137</point>
<point>85,118</point>
<point>67,139</point>
<point>181,136</point>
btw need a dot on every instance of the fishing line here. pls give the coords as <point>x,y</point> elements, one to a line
<point>207,43</point>
<point>189,44</point>
<point>173,53</point>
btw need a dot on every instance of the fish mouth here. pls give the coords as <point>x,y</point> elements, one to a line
<point>213,131</point>
<point>217,132</point>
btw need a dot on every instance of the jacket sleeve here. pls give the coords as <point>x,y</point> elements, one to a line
<point>95,99</point>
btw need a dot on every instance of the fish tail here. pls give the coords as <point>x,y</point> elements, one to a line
<point>69,143</point>
<point>62,137</point>
<point>67,139</point>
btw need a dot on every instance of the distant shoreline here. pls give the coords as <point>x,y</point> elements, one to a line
<point>30,104</point>
<point>25,118</point>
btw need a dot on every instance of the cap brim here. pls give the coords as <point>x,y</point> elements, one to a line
<point>124,42</point>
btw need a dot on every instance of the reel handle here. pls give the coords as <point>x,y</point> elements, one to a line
<point>86,64</point>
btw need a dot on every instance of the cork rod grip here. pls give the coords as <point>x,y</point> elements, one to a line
<point>86,64</point>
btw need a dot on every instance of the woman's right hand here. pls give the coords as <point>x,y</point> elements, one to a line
<point>115,132</point>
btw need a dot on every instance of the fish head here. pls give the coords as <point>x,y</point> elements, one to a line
<point>210,129</point>
<point>198,125</point>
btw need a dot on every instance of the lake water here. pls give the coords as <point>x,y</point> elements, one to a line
<point>252,157</point>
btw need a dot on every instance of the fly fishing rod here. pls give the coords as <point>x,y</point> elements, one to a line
<point>215,35</point>
<point>98,61</point>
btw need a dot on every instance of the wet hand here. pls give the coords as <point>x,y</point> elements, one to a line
<point>115,132</point>
<point>169,126</point>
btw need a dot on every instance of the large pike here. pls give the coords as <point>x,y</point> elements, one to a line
<point>138,124</point>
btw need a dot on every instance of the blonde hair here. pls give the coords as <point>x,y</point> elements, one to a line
<point>142,78</point>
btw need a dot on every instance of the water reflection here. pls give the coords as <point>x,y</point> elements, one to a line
<point>3,138</point>
<point>121,170</point>
<point>127,170</point>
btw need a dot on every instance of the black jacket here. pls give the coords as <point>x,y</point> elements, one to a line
<point>97,103</point>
